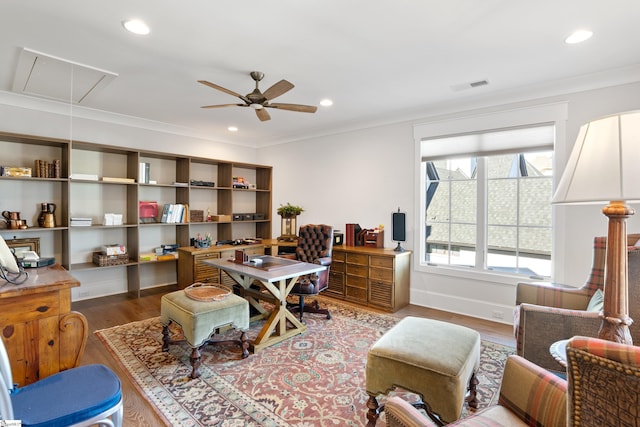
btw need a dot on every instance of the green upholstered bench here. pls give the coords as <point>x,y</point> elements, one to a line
<point>199,321</point>
<point>436,360</point>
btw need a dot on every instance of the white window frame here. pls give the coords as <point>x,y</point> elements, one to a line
<point>555,114</point>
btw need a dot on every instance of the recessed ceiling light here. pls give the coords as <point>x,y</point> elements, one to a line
<point>326,102</point>
<point>232,129</point>
<point>136,26</point>
<point>578,37</point>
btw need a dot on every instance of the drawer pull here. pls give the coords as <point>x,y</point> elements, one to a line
<point>42,309</point>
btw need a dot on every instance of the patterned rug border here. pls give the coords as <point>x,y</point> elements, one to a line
<point>138,381</point>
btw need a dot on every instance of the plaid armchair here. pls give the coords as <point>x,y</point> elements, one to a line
<point>602,382</point>
<point>546,313</point>
<point>529,396</point>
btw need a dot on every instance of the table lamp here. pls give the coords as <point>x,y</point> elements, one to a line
<point>604,167</point>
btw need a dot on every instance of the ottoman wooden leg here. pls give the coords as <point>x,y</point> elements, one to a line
<point>195,362</point>
<point>165,338</point>
<point>373,412</point>
<point>244,345</point>
<point>472,397</point>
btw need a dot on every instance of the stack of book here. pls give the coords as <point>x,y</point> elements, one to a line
<point>45,169</point>
<point>80,222</point>
<point>175,213</point>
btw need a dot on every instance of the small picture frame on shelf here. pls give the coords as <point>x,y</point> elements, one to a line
<point>19,246</point>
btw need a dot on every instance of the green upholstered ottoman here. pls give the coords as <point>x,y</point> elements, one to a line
<point>199,321</point>
<point>437,360</point>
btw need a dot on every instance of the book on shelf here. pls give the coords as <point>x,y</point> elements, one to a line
<point>85,176</point>
<point>46,169</point>
<point>117,179</point>
<point>80,222</point>
<point>175,213</point>
<point>143,172</point>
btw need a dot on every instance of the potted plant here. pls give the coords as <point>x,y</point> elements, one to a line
<point>289,210</point>
<point>289,214</point>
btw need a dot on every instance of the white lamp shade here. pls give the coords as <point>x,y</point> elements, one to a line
<point>605,162</point>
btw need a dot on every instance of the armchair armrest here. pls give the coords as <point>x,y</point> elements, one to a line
<point>323,261</point>
<point>541,326</point>
<point>528,392</point>
<point>534,394</point>
<point>400,413</point>
<point>552,295</point>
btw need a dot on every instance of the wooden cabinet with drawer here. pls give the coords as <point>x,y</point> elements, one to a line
<point>370,276</point>
<point>42,334</point>
<point>192,269</point>
<point>336,275</point>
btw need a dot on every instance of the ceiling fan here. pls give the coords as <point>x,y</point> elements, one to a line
<point>258,100</point>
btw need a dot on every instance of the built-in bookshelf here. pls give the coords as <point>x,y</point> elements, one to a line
<point>99,180</point>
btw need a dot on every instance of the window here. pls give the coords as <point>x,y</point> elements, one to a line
<point>488,200</point>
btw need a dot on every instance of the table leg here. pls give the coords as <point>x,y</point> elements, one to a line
<point>276,327</point>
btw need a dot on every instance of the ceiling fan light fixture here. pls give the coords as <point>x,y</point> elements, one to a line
<point>257,106</point>
<point>136,26</point>
<point>326,103</point>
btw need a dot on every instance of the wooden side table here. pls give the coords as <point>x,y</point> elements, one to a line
<point>41,333</point>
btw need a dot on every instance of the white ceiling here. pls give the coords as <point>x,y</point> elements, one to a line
<point>379,61</point>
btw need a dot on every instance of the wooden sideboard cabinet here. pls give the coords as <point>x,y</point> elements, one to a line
<point>192,269</point>
<point>373,277</point>
<point>41,333</point>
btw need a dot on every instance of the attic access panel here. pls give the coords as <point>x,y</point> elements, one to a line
<point>50,77</point>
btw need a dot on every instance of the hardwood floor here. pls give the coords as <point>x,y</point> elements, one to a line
<point>116,310</point>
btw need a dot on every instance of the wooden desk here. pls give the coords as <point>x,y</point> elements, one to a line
<point>42,335</point>
<point>279,282</point>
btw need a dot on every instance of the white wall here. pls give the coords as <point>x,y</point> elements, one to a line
<point>370,173</point>
<point>360,176</point>
<point>32,116</point>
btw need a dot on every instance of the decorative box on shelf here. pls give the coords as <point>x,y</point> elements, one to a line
<point>242,217</point>
<point>374,239</point>
<point>103,260</point>
<point>196,215</point>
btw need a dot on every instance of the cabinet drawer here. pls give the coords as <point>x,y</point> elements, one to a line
<point>358,259</point>
<point>381,261</point>
<point>29,307</point>
<point>383,274</point>
<point>357,270</point>
<point>356,281</point>
<point>205,272</point>
<point>338,256</point>
<point>356,293</point>
<point>381,294</point>
<point>336,283</point>
<point>338,267</point>
<point>255,251</point>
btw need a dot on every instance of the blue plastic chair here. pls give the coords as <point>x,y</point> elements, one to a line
<point>83,396</point>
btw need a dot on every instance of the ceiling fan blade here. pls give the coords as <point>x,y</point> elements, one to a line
<point>277,89</point>
<point>222,89</point>
<point>294,107</point>
<point>263,115</point>
<point>224,105</point>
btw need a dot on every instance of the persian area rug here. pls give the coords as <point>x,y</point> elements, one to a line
<point>313,379</point>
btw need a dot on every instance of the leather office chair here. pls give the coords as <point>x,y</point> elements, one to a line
<point>315,243</point>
